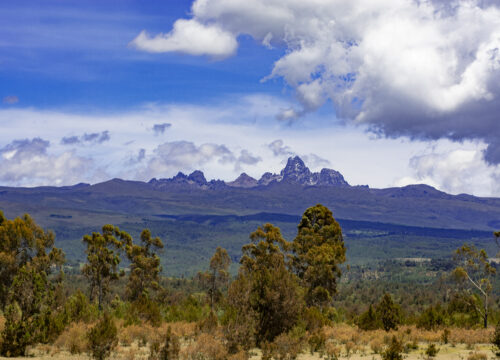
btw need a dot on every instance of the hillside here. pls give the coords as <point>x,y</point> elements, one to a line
<point>187,210</point>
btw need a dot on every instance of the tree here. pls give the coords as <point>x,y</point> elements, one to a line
<point>103,259</point>
<point>368,320</point>
<point>145,266</point>
<point>217,276</point>
<point>318,250</point>
<point>266,289</point>
<point>103,338</point>
<point>23,242</point>
<point>27,312</point>
<point>473,275</point>
<point>388,313</point>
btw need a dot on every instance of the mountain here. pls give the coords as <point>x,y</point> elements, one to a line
<point>244,180</point>
<point>296,172</point>
<point>186,210</point>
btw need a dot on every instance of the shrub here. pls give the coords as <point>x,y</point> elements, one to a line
<point>495,340</point>
<point>286,347</point>
<point>393,351</point>
<point>169,350</point>
<point>206,347</point>
<point>431,318</point>
<point>369,320</point>
<point>477,356</point>
<point>446,335</point>
<point>332,351</point>
<point>317,341</point>
<point>209,323</point>
<point>73,339</point>
<point>102,338</point>
<point>431,351</point>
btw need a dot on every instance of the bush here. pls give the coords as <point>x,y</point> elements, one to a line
<point>496,338</point>
<point>393,351</point>
<point>206,347</point>
<point>431,318</point>
<point>477,356</point>
<point>431,351</point>
<point>446,335</point>
<point>169,350</point>
<point>317,341</point>
<point>103,338</point>
<point>286,347</point>
<point>73,339</point>
<point>369,320</point>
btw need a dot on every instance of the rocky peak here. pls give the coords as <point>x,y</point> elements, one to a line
<point>197,177</point>
<point>244,180</point>
<point>268,178</point>
<point>331,177</point>
<point>296,171</point>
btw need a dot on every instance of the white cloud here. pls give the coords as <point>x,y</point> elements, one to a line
<point>423,69</point>
<point>190,37</point>
<point>28,163</point>
<point>457,171</point>
<point>245,126</point>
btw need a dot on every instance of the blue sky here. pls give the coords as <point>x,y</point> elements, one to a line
<point>387,92</point>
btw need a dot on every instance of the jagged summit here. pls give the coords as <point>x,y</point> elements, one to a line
<point>244,180</point>
<point>295,172</point>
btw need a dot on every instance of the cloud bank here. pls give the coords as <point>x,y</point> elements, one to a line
<point>27,162</point>
<point>419,69</point>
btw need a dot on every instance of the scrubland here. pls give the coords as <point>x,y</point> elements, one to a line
<point>342,341</point>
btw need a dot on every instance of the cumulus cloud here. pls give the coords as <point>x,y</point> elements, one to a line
<point>159,129</point>
<point>425,69</point>
<point>27,162</point>
<point>92,138</point>
<point>171,157</point>
<point>456,171</point>
<point>279,149</point>
<point>190,37</point>
<point>313,161</point>
<point>10,100</point>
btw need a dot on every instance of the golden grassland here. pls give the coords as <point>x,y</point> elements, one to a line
<point>347,341</point>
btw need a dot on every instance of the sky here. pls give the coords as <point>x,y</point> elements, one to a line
<point>388,92</point>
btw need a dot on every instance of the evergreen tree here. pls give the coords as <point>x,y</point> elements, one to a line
<point>266,288</point>
<point>217,276</point>
<point>103,259</point>
<point>369,320</point>
<point>23,242</point>
<point>145,266</point>
<point>388,313</point>
<point>318,251</point>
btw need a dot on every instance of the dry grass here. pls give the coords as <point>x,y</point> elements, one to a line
<point>342,342</point>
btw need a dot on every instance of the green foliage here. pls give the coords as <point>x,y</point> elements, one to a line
<point>318,250</point>
<point>29,317</point>
<point>168,351</point>
<point>495,340</point>
<point>144,266</point>
<point>103,338</point>
<point>271,293</point>
<point>103,259</point>
<point>217,276</point>
<point>369,320</point>
<point>388,313</point>
<point>431,350</point>
<point>393,351</point>
<point>23,242</point>
<point>78,308</point>
<point>431,318</point>
<point>314,318</point>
